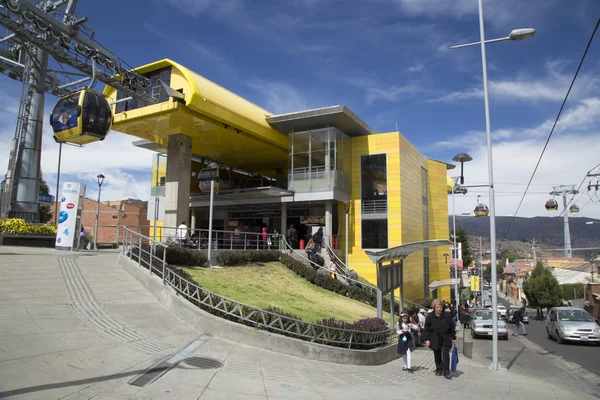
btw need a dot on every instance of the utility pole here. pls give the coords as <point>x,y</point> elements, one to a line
<point>533,249</point>
<point>564,190</point>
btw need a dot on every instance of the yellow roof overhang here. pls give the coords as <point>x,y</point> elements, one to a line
<point>223,125</point>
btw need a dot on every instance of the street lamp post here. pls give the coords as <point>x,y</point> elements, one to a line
<point>462,158</point>
<point>100,182</point>
<point>517,34</point>
<point>213,176</point>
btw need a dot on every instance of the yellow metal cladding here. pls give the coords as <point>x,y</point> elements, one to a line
<point>405,172</point>
<point>158,172</point>
<point>389,144</point>
<point>438,223</point>
<point>412,163</point>
<point>223,125</point>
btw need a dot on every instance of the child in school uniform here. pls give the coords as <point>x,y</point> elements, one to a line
<point>406,330</point>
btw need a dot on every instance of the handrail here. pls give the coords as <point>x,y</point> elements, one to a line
<point>247,314</point>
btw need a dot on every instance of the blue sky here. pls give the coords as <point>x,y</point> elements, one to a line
<point>388,61</point>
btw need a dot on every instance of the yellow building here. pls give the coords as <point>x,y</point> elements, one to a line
<point>307,169</point>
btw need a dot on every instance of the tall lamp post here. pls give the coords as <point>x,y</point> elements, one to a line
<point>517,34</point>
<point>212,177</point>
<point>456,188</point>
<point>100,182</point>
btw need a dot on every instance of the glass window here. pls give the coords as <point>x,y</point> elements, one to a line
<point>374,234</point>
<point>373,177</point>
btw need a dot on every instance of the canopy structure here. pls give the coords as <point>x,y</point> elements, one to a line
<point>403,251</point>
<point>446,282</point>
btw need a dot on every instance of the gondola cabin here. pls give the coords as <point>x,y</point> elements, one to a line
<point>220,175</point>
<point>551,205</point>
<point>481,210</point>
<point>574,208</point>
<point>80,118</point>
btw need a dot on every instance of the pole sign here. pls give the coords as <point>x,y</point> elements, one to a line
<point>69,217</point>
<point>475,280</point>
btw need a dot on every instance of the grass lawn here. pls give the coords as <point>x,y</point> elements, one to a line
<point>272,284</point>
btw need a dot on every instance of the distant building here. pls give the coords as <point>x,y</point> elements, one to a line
<point>113,216</point>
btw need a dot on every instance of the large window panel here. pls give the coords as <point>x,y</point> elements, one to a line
<point>373,171</point>
<point>374,234</point>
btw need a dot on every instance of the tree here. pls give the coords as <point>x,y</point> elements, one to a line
<point>542,289</point>
<point>487,272</point>
<point>45,213</point>
<point>511,255</point>
<point>467,256</point>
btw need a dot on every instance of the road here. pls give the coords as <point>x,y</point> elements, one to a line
<point>584,354</point>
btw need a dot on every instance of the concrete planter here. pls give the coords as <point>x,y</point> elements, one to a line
<point>28,240</point>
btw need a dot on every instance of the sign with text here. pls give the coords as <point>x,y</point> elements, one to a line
<point>474,283</point>
<point>69,217</point>
<point>46,198</point>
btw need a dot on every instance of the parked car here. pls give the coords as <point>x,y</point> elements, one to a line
<point>481,324</point>
<point>511,311</point>
<point>572,324</point>
<point>502,310</point>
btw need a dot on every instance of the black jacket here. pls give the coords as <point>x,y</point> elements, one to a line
<point>439,331</point>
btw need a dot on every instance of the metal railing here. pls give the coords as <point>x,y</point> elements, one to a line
<point>373,207</point>
<point>149,259</point>
<point>221,240</point>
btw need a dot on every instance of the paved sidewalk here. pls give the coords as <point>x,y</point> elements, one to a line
<point>77,326</point>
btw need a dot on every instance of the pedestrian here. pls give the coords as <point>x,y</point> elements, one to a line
<point>292,236</point>
<point>182,233</point>
<point>406,331</point>
<point>353,278</point>
<point>422,318</point>
<point>332,269</point>
<point>265,237</point>
<point>318,239</point>
<point>518,320</point>
<point>83,238</point>
<point>440,336</point>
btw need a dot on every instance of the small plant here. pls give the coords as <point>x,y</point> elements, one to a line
<point>18,226</point>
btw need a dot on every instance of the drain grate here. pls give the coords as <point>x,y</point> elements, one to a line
<point>162,367</point>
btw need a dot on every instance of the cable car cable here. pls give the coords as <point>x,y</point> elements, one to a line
<point>552,130</point>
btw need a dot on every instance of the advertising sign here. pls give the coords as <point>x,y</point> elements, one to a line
<point>474,283</point>
<point>69,217</point>
<point>46,198</point>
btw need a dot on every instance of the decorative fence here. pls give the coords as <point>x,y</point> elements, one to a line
<point>141,249</point>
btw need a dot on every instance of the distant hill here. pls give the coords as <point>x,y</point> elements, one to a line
<point>546,230</point>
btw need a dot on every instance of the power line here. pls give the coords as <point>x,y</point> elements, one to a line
<point>581,184</point>
<point>552,130</point>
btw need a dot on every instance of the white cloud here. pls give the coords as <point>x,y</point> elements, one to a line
<point>415,68</point>
<point>515,154</point>
<point>197,7</point>
<point>279,97</point>
<point>213,58</point>
<point>391,93</point>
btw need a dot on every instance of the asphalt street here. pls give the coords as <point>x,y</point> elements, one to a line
<point>584,354</point>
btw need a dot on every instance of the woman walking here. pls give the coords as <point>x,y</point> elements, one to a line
<point>406,333</point>
<point>439,336</point>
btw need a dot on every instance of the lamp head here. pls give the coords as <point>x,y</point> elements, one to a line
<point>521,34</point>
<point>100,180</point>
<point>462,158</point>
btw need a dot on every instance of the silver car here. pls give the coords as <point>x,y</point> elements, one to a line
<point>572,324</point>
<point>481,324</point>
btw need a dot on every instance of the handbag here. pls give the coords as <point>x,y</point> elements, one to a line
<point>454,361</point>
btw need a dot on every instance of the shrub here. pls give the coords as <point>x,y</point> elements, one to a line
<point>231,258</point>
<point>18,226</point>
<point>182,256</point>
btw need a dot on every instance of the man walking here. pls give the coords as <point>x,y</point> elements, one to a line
<point>519,325</point>
<point>292,236</point>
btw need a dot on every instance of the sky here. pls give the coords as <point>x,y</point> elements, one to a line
<point>389,62</point>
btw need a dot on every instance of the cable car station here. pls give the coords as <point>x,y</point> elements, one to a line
<point>306,168</point>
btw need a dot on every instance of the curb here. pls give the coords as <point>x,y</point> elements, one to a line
<point>580,374</point>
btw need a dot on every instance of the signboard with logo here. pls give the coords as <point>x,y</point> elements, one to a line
<point>69,217</point>
<point>474,283</point>
<point>312,220</point>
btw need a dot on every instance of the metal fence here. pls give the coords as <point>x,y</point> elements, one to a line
<point>144,251</point>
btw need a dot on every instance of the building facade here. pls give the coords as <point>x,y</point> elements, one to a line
<point>308,168</point>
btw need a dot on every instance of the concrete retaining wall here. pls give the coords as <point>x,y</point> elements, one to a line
<point>213,325</point>
<point>28,240</point>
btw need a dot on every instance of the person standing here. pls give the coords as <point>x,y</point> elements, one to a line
<point>519,325</point>
<point>318,239</point>
<point>182,233</point>
<point>264,236</point>
<point>83,238</point>
<point>406,331</point>
<point>292,236</point>
<point>439,336</point>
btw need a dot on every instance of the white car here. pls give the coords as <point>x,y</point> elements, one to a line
<point>502,310</point>
<point>481,324</point>
<point>571,324</point>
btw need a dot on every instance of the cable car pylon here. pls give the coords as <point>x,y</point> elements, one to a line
<point>564,190</point>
